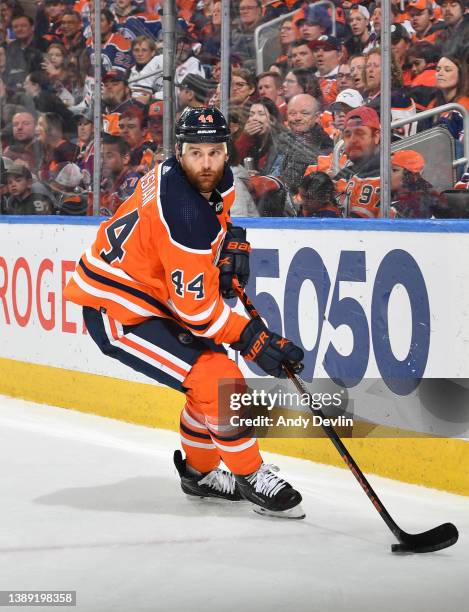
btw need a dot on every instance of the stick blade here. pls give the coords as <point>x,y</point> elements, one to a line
<point>434,539</point>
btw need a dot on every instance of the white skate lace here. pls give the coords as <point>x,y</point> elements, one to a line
<point>219,480</point>
<point>266,481</point>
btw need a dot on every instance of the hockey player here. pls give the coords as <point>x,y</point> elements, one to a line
<point>153,299</point>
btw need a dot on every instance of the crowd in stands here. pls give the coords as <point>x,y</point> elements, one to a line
<point>286,119</point>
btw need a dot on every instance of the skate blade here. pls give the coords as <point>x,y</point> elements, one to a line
<point>293,513</point>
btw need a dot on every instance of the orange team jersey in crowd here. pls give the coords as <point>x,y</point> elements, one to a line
<point>325,164</point>
<point>327,123</point>
<point>157,257</point>
<point>431,38</point>
<point>427,78</point>
<point>80,6</point>
<point>329,89</point>
<point>401,18</point>
<point>362,196</point>
<point>111,123</point>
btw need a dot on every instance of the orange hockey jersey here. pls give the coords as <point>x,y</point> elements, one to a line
<point>361,197</point>
<point>157,257</point>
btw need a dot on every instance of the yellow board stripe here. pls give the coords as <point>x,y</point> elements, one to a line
<point>432,462</point>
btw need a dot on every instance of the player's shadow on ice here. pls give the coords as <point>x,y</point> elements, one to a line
<point>140,495</point>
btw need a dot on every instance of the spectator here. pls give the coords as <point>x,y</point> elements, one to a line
<point>56,149</point>
<point>328,53</point>
<point>260,138</point>
<point>344,77</point>
<point>187,62</point>
<point>357,72</point>
<point>301,80</point>
<point>242,33</point>
<point>211,36</point>
<point>85,143</point>
<point>71,199</point>
<point>147,72</point>
<point>269,85</point>
<point>132,126</point>
<point>400,43</point>
<point>361,39</point>
<point>412,196</point>
<point>301,55</point>
<point>116,99</point>
<point>194,91</point>
<point>346,100</point>
<point>123,9</point>
<point>318,197</point>
<point>402,106</point>
<point>155,126</point>
<point>84,130</point>
<point>316,23</point>
<point>71,32</point>
<point>22,200</point>
<point>243,86</point>
<point>119,181</point>
<point>362,136</point>
<point>24,143</point>
<point>82,81</point>
<point>287,36</point>
<point>423,58</point>
<point>244,205</point>
<point>57,73</point>
<point>8,10</point>
<point>45,101</point>
<point>23,54</point>
<point>48,20</point>
<point>422,20</point>
<point>3,62</point>
<point>452,85</point>
<point>376,20</point>
<point>202,17</point>
<point>115,49</point>
<point>305,139</point>
<point>453,37</point>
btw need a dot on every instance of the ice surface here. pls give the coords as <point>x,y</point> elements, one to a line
<point>94,505</point>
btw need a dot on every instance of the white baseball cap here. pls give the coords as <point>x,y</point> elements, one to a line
<point>362,9</point>
<point>350,97</point>
<point>68,177</point>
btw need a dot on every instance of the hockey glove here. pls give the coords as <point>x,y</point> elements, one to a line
<point>268,349</point>
<point>234,260</point>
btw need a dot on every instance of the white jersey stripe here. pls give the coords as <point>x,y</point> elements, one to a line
<point>197,444</point>
<point>217,325</point>
<point>147,359</point>
<point>199,317</point>
<point>192,422</point>
<point>237,448</point>
<point>112,297</point>
<point>103,265</point>
<point>159,351</point>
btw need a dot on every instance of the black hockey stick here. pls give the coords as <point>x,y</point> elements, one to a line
<point>428,541</point>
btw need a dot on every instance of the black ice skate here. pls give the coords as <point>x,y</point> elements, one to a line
<point>271,495</point>
<point>217,483</point>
